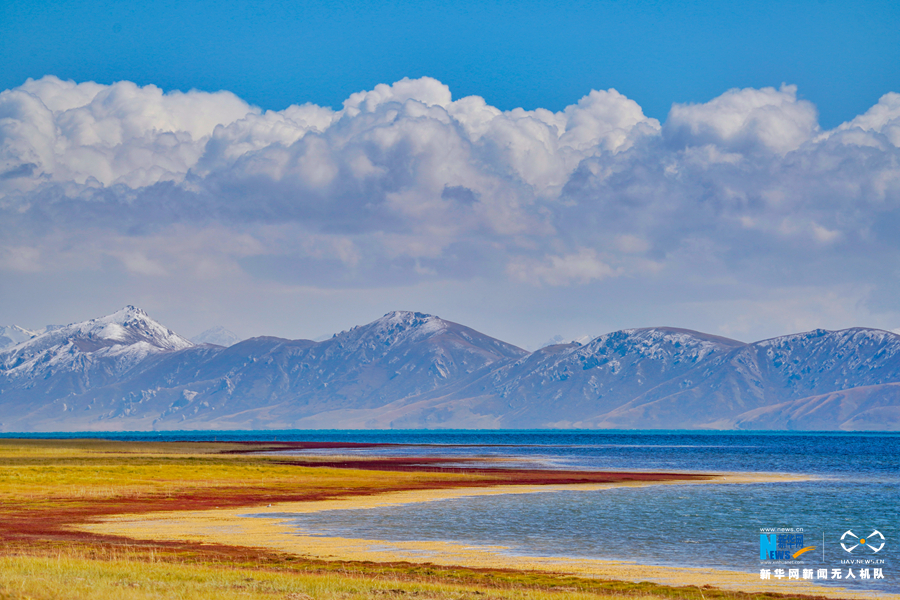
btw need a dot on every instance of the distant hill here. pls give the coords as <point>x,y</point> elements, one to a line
<point>411,370</point>
<point>217,335</point>
<point>10,335</point>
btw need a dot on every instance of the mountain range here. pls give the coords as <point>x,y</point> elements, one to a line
<point>410,370</point>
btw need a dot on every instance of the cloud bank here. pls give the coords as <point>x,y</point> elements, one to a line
<point>404,184</point>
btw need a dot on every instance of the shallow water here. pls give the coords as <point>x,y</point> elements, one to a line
<point>856,488</point>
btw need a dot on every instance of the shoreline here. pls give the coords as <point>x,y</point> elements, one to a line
<point>249,527</point>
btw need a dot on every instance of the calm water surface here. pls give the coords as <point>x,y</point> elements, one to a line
<point>856,487</point>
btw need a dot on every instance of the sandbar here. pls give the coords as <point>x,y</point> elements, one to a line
<point>250,527</point>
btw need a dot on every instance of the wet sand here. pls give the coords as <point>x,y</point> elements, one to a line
<point>235,526</point>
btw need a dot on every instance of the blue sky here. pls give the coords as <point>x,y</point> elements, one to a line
<point>731,167</point>
<point>842,55</point>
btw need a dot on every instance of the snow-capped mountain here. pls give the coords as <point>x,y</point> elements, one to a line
<point>407,369</point>
<point>261,382</point>
<point>127,336</point>
<point>41,373</point>
<point>302,383</point>
<point>765,373</point>
<point>566,384</point>
<point>70,360</point>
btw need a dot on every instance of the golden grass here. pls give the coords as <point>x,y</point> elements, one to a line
<point>39,474</point>
<point>73,577</point>
<point>69,577</point>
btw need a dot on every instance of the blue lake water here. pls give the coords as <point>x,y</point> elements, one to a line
<point>856,488</point>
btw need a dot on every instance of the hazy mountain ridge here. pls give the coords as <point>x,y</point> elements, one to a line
<point>872,408</point>
<point>561,385</point>
<point>218,336</point>
<point>126,371</point>
<point>764,373</point>
<point>10,335</point>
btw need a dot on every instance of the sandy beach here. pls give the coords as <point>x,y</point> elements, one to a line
<point>249,527</point>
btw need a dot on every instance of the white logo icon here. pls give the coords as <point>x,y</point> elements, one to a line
<point>855,541</point>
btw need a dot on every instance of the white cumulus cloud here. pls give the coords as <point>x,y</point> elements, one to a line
<point>743,120</point>
<point>60,131</point>
<point>405,184</point>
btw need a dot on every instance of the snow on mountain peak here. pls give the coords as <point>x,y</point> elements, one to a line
<point>658,343</point>
<point>841,337</point>
<point>127,326</point>
<point>401,323</point>
<point>406,318</point>
<point>129,334</point>
<point>857,349</point>
<point>393,328</point>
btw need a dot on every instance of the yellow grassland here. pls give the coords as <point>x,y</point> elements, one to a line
<point>68,576</point>
<point>43,474</point>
